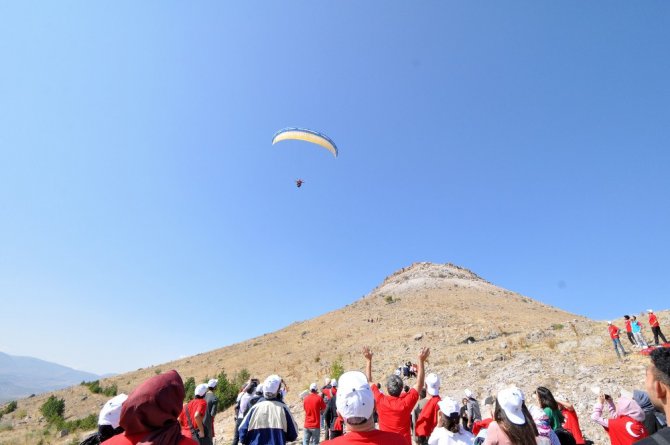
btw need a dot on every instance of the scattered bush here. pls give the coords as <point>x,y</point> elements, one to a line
<point>557,326</point>
<point>53,409</point>
<point>94,386</point>
<point>189,389</point>
<point>388,299</point>
<point>337,368</point>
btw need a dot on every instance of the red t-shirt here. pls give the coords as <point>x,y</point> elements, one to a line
<point>625,430</point>
<point>427,420</point>
<point>374,437</point>
<point>614,331</point>
<point>313,405</point>
<point>394,412</point>
<point>653,321</point>
<point>194,406</point>
<point>480,424</point>
<point>572,424</point>
<point>132,439</point>
<point>628,328</point>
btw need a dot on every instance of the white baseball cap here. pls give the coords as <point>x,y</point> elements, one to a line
<point>449,406</point>
<point>271,384</point>
<point>433,384</point>
<point>201,389</point>
<point>469,394</point>
<point>333,382</point>
<point>510,400</point>
<point>111,412</point>
<point>650,311</point>
<point>313,387</point>
<point>354,396</point>
<point>212,383</point>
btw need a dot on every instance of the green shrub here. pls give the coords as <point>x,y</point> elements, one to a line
<point>95,388</point>
<point>227,390</point>
<point>557,327</point>
<point>189,389</point>
<point>10,407</point>
<point>337,368</point>
<point>388,299</point>
<point>53,409</point>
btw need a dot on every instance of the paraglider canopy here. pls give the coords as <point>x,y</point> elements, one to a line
<point>303,134</point>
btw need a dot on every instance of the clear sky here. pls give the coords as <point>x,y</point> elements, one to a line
<point>145,215</point>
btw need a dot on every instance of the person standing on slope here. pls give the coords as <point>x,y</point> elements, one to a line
<point>614,335</point>
<point>629,330</point>
<point>212,406</point>
<point>655,327</point>
<point>637,333</point>
<point>395,407</point>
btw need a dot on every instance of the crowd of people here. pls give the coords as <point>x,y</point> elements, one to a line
<point>634,333</point>
<point>355,411</point>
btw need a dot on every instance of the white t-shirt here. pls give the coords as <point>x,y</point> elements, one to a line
<point>442,436</point>
<point>110,414</point>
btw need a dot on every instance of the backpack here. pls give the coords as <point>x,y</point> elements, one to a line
<point>93,439</point>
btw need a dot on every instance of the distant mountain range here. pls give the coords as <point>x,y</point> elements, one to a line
<point>22,376</point>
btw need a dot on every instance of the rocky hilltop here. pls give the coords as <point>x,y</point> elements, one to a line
<point>482,337</point>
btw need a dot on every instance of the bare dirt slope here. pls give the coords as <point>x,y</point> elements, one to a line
<point>518,340</point>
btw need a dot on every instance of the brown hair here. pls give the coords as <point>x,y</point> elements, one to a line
<point>518,434</point>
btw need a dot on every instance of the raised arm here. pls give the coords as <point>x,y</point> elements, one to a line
<point>367,353</point>
<point>421,372</point>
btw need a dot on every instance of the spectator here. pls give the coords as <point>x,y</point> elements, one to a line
<point>394,408</point>
<point>314,407</point>
<point>655,327</point>
<point>614,335</point>
<point>149,415</point>
<point>427,420</point>
<point>543,428</point>
<point>511,424</point>
<point>624,424</point>
<point>472,411</point>
<point>657,384</point>
<point>193,414</point>
<point>110,416</point>
<point>479,428</point>
<point>356,403</point>
<point>637,333</point>
<point>571,423</point>
<point>269,422</point>
<point>243,399</point>
<point>448,430</point>
<point>651,422</point>
<point>210,412</point>
<point>629,330</point>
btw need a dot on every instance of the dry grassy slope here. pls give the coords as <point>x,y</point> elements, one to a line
<point>520,341</point>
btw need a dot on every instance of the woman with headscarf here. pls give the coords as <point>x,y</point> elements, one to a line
<point>511,424</point>
<point>149,415</point>
<point>449,431</point>
<point>651,422</point>
<point>625,423</point>
<point>543,428</point>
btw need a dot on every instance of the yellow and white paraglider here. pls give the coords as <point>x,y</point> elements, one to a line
<point>303,134</point>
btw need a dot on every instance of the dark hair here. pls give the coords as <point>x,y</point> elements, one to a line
<point>406,388</point>
<point>451,422</point>
<point>394,385</point>
<point>627,317</point>
<point>518,434</point>
<point>660,358</point>
<point>251,387</point>
<point>422,394</point>
<point>546,398</point>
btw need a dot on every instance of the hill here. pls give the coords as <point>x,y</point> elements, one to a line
<point>23,376</point>
<point>516,340</point>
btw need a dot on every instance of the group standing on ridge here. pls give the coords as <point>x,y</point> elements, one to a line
<point>634,333</point>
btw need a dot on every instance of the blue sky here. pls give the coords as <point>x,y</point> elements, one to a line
<point>144,214</point>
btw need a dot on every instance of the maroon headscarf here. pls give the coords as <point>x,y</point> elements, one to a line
<point>153,407</point>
